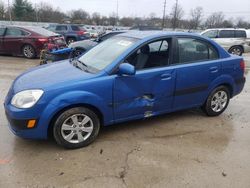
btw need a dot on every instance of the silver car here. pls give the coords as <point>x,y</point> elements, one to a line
<point>235,41</point>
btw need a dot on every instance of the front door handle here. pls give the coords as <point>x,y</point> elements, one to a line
<point>166,77</point>
<point>214,69</point>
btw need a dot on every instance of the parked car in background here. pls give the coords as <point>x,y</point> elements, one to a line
<point>83,46</point>
<point>235,41</point>
<point>70,32</point>
<point>27,41</point>
<point>145,28</point>
<point>131,76</point>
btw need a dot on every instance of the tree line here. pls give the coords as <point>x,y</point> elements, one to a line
<point>24,10</point>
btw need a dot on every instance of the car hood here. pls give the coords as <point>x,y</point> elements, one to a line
<point>86,44</point>
<point>50,75</point>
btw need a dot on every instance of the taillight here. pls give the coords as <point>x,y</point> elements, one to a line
<point>80,32</point>
<point>43,40</point>
<point>242,65</point>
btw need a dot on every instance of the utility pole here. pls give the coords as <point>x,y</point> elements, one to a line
<point>9,9</point>
<point>164,14</point>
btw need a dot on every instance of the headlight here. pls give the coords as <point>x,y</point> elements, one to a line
<point>26,99</point>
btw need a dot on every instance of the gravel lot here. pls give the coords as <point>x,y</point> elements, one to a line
<point>182,149</point>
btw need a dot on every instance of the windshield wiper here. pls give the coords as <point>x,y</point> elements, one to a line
<point>81,65</point>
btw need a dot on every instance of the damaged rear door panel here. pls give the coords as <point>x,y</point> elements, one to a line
<point>147,93</point>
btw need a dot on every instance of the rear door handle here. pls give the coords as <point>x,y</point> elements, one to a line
<point>166,77</point>
<point>214,69</point>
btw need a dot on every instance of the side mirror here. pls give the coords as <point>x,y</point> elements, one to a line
<point>126,69</point>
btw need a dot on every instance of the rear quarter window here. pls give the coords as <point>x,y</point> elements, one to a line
<point>240,34</point>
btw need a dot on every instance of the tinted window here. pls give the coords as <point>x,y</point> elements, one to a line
<point>15,32</point>
<point>240,34</point>
<point>2,30</point>
<point>226,34</point>
<point>61,28</point>
<point>211,34</point>
<point>192,50</point>
<point>75,28</point>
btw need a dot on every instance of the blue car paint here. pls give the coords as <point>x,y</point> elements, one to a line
<point>122,98</point>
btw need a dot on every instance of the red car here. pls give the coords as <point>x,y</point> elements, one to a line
<point>27,41</point>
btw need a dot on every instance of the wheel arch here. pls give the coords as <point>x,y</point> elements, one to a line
<point>55,116</point>
<point>26,43</point>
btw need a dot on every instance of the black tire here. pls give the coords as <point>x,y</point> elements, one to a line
<point>209,107</point>
<point>236,50</point>
<point>77,52</point>
<point>66,116</point>
<point>70,40</point>
<point>29,51</point>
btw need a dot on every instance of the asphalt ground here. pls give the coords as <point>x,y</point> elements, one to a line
<point>181,149</point>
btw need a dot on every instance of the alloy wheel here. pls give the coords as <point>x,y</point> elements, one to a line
<point>219,101</point>
<point>77,128</point>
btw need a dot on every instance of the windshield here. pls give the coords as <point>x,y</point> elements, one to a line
<point>105,53</point>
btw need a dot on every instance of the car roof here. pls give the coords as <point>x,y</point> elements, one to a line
<point>154,34</point>
<point>227,29</point>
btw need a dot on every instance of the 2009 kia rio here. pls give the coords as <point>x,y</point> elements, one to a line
<point>130,76</point>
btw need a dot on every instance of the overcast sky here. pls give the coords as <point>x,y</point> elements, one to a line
<point>231,8</point>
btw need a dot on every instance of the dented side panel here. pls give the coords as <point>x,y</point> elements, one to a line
<point>144,94</point>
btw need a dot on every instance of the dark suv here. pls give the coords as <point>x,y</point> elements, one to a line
<point>70,32</point>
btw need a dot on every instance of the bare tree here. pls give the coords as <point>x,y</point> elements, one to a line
<point>196,17</point>
<point>113,19</point>
<point>215,20</point>
<point>241,23</point>
<point>79,16</point>
<point>176,15</point>
<point>47,13</point>
<point>96,18</point>
<point>2,10</point>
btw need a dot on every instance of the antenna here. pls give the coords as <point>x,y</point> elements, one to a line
<point>117,12</point>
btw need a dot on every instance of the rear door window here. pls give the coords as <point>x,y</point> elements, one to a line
<point>194,50</point>
<point>240,34</point>
<point>227,34</point>
<point>75,28</point>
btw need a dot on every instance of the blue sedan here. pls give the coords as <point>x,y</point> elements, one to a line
<point>131,76</point>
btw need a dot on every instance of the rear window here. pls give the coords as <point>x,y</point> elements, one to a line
<point>226,34</point>
<point>42,31</point>
<point>240,34</point>
<point>75,28</point>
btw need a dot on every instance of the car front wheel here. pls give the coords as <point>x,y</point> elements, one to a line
<point>76,128</point>
<point>217,101</point>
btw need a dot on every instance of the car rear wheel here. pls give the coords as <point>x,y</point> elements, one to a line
<point>236,50</point>
<point>217,101</point>
<point>29,51</point>
<point>76,128</point>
